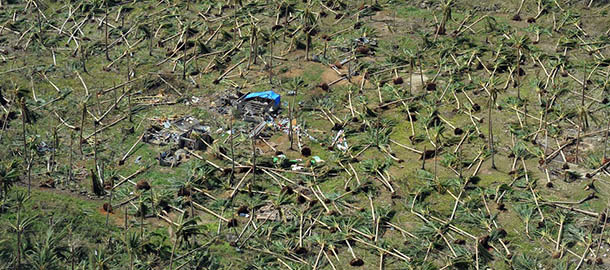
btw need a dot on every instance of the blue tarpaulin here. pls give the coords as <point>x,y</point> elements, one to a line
<point>266,95</point>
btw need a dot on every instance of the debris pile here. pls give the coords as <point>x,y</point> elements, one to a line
<point>185,132</point>
<point>226,101</point>
<point>259,106</point>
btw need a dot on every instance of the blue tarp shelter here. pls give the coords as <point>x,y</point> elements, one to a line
<point>266,95</point>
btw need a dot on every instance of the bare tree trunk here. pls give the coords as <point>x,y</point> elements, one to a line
<point>232,150</point>
<point>606,138</point>
<point>110,200</point>
<point>186,39</point>
<point>26,159</point>
<point>71,248</point>
<point>271,60</point>
<point>421,73</point>
<point>19,238</point>
<point>517,74</point>
<point>580,122</point>
<point>253,167</point>
<point>95,145</point>
<point>71,156</point>
<point>171,258</point>
<point>308,45</point>
<point>54,152</point>
<point>491,134</point>
<point>106,30</point>
<point>290,132</point>
<point>411,77</point>
<point>82,126</point>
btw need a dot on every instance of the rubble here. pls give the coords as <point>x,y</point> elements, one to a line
<point>259,106</point>
<point>171,157</point>
<point>185,132</point>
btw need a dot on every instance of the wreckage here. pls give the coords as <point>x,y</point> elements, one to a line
<point>258,107</point>
<point>252,107</point>
<point>186,132</point>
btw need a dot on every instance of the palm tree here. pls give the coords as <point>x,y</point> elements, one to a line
<point>26,152</point>
<point>520,44</point>
<point>21,225</point>
<point>183,229</point>
<point>99,260</point>
<point>145,30</point>
<point>446,7</point>
<point>47,250</point>
<point>526,213</point>
<point>132,243</point>
<point>493,95</point>
<point>9,175</point>
<point>308,22</point>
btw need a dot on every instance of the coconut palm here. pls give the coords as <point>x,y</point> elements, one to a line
<point>521,45</point>
<point>132,243</point>
<point>21,225</point>
<point>99,259</point>
<point>446,6</point>
<point>183,228</point>
<point>493,95</point>
<point>47,251</point>
<point>526,213</point>
<point>147,33</point>
<point>308,23</point>
<point>9,175</point>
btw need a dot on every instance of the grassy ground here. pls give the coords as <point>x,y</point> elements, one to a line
<point>402,29</point>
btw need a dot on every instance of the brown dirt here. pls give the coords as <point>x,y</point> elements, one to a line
<point>329,75</point>
<point>293,72</point>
